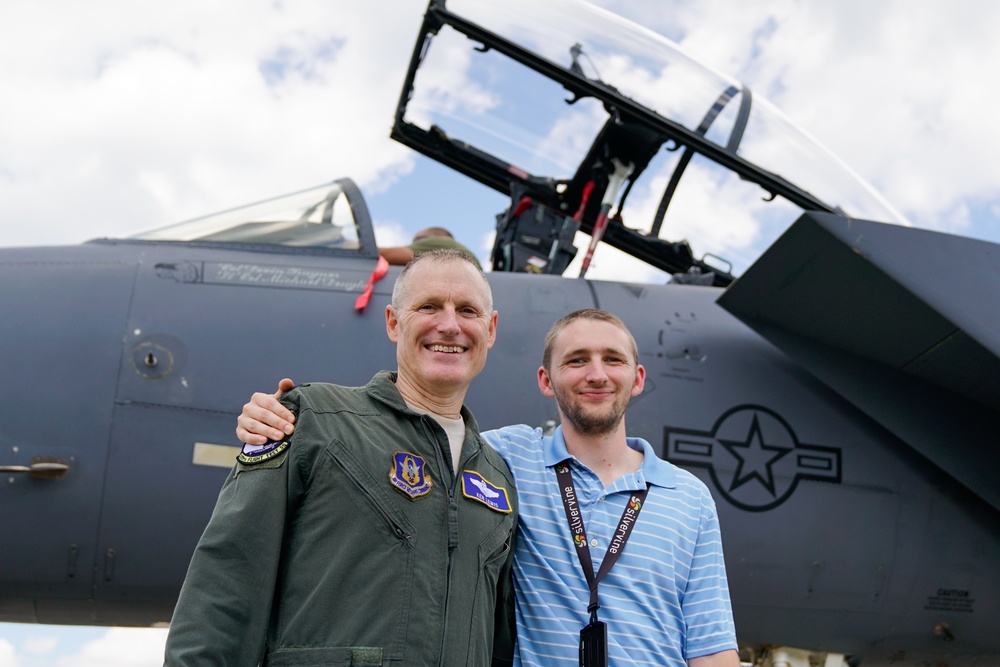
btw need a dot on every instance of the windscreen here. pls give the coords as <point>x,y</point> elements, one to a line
<point>506,109</point>
<point>319,217</point>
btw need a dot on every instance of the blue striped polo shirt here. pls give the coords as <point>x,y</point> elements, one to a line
<point>665,601</point>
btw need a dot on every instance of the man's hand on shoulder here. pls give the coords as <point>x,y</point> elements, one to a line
<point>265,418</point>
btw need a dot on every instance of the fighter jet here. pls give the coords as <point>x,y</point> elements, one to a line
<point>838,394</point>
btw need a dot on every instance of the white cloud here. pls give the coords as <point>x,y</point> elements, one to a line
<point>121,647</point>
<point>8,655</point>
<point>898,90</point>
<point>41,645</point>
<point>391,234</point>
<point>131,118</point>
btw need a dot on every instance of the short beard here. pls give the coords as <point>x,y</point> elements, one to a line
<point>590,424</point>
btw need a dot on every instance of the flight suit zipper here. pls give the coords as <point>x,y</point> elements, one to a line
<point>447,472</point>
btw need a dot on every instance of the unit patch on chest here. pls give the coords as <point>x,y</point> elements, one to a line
<point>475,487</point>
<point>409,475</point>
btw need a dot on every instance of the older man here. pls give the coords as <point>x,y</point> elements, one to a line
<point>358,541</point>
<point>619,555</point>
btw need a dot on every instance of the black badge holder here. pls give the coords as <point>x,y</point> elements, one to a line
<point>594,643</point>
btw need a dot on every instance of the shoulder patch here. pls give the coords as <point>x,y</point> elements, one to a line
<point>475,487</point>
<point>254,454</point>
<point>408,474</point>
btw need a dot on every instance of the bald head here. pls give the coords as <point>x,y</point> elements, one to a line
<point>401,290</point>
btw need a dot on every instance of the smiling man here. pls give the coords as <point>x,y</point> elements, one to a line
<point>619,555</point>
<point>357,541</point>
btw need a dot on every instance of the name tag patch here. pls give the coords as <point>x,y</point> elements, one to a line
<point>475,487</point>
<point>252,454</point>
<point>409,475</point>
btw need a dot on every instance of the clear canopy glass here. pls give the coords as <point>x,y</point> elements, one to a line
<point>501,107</point>
<point>319,217</point>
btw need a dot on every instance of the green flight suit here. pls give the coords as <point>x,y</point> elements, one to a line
<point>339,552</point>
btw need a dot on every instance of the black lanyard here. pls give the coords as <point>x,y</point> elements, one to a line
<point>575,518</point>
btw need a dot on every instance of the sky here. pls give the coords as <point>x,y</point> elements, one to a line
<point>118,117</point>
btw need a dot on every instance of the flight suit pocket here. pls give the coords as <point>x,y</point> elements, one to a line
<point>372,490</point>
<point>494,549</point>
<point>340,656</point>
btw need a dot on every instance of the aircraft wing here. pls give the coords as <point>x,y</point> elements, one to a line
<point>903,323</point>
